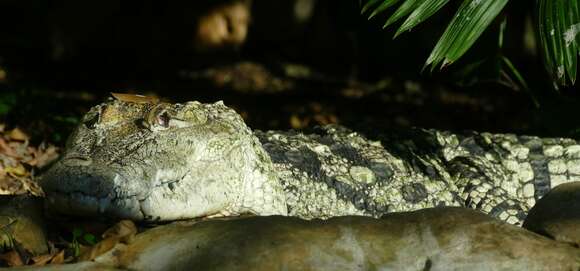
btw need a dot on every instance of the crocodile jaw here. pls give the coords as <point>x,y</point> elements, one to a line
<point>89,190</point>
<point>98,191</point>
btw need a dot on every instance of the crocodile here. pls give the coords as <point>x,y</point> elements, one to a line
<point>140,159</point>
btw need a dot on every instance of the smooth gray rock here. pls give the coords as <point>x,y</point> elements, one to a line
<point>431,239</point>
<point>557,215</point>
<point>22,222</point>
<point>82,266</point>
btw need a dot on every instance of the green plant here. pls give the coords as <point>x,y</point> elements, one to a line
<point>77,235</point>
<point>7,240</point>
<point>557,27</point>
<point>7,103</point>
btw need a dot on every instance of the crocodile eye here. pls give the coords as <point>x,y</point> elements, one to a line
<point>162,119</point>
<point>92,117</point>
<point>158,118</point>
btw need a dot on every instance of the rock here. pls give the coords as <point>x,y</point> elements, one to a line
<point>82,266</point>
<point>430,239</point>
<point>21,220</point>
<point>557,214</point>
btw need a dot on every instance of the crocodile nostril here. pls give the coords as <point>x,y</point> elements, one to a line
<point>77,161</point>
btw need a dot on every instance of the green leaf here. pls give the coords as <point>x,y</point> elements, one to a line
<point>570,27</point>
<point>467,25</point>
<point>7,103</point>
<point>90,239</point>
<point>518,76</point>
<point>559,31</point>
<point>368,5</point>
<point>77,233</point>
<point>420,14</point>
<point>511,69</point>
<point>502,27</point>
<point>403,10</point>
<point>385,5</point>
<point>544,30</point>
<point>557,35</point>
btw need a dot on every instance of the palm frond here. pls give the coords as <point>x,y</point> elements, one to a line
<point>407,7</point>
<point>559,32</point>
<point>558,28</point>
<point>385,5</point>
<point>471,19</point>
<point>420,14</point>
<point>467,25</point>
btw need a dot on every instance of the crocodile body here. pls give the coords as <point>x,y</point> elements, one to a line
<point>147,161</point>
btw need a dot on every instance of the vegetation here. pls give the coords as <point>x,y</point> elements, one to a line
<point>557,29</point>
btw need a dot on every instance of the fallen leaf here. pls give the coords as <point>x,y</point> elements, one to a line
<point>333,118</point>
<point>135,98</point>
<point>43,157</point>
<point>125,229</point>
<point>295,122</point>
<point>58,258</point>
<point>18,170</point>
<point>13,185</point>
<point>100,248</point>
<point>316,107</point>
<point>6,149</point>
<point>18,135</point>
<point>21,149</point>
<point>42,259</point>
<point>12,258</point>
<point>32,187</point>
<point>2,75</point>
<point>320,119</point>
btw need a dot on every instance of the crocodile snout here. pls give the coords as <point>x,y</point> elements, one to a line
<point>79,186</point>
<point>77,175</point>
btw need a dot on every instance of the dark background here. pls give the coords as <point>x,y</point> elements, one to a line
<point>302,63</point>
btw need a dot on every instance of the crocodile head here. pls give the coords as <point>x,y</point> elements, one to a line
<point>142,160</point>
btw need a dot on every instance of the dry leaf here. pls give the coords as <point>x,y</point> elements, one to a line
<point>134,98</point>
<point>2,75</point>
<point>11,185</point>
<point>58,258</point>
<point>125,230</point>
<point>32,187</point>
<point>44,157</point>
<point>18,170</point>
<point>6,149</point>
<point>320,119</point>
<point>333,118</point>
<point>295,122</point>
<point>12,258</point>
<point>42,259</point>
<point>15,178</point>
<point>18,135</point>
<point>100,248</point>
<point>316,107</point>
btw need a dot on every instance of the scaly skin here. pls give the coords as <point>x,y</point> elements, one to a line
<point>337,172</point>
<point>141,160</point>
